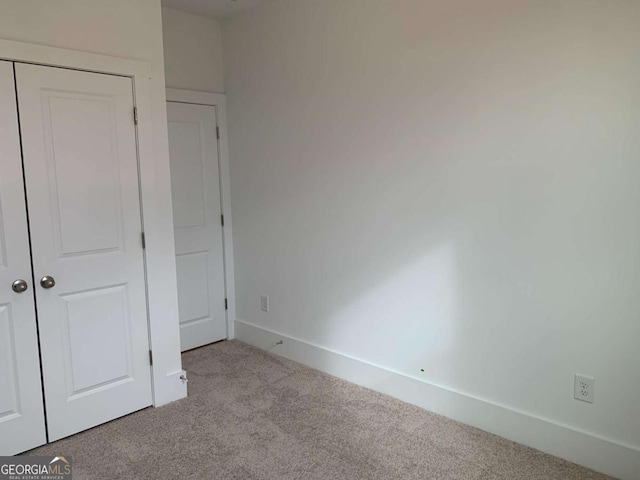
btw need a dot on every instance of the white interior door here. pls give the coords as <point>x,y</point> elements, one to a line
<point>81,173</point>
<point>195,189</point>
<point>21,409</point>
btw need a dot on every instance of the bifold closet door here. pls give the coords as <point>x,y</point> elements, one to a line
<point>21,409</point>
<point>81,175</point>
<point>195,191</point>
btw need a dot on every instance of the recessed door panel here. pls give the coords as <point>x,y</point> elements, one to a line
<point>187,181</point>
<point>9,401</point>
<point>89,217</point>
<point>97,329</point>
<point>3,242</point>
<point>195,189</point>
<point>82,189</point>
<point>21,410</point>
<point>193,287</point>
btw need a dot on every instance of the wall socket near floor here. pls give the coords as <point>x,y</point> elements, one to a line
<point>264,303</point>
<point>584,388</point>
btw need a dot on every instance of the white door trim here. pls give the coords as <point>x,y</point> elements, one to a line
<point>155,186</point>
<point>218,100</point>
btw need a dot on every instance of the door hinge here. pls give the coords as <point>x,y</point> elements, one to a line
<point>218,133</point>
<point>144,241</point>
<point>135,115</point>
<point>222,220</point>
<point>226,304</point>
<point>150,357</point>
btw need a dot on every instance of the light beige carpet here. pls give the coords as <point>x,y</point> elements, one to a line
<point>253,415</point>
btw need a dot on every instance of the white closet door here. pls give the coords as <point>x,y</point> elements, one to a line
<point>81,173</point>
<point>195,189</point>
<point>21,410</point>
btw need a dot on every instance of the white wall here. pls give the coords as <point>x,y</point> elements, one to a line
<point>129,29</point>
<point>192,51</point>
<point>450,186</point>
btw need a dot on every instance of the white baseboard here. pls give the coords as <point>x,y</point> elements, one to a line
<point>600,454</point>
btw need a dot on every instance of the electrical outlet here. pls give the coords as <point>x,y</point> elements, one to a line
<point>584,388</point>
<point>264,303</point>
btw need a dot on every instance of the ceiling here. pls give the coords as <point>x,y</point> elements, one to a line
<point>212,8</point>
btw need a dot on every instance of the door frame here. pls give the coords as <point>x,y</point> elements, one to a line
<point>168,377</point>
<point>218,100</point>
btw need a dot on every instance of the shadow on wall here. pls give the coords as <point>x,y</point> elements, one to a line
<point>416,303</point>
<point>454,189</point>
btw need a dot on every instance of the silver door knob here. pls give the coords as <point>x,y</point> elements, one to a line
<point>19,286</point>
<point>47,282</point>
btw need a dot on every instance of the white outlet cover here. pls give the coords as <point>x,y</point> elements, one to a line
<point>584,388</point>
<point>264,303</point>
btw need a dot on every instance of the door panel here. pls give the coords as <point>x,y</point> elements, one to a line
<point>195,188</point>
<point>21,410</point>
<point>84,210</point>
<point>187,180</point>
<point>88,216</point>
<point>96,326</point>
<point>193,278</point>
